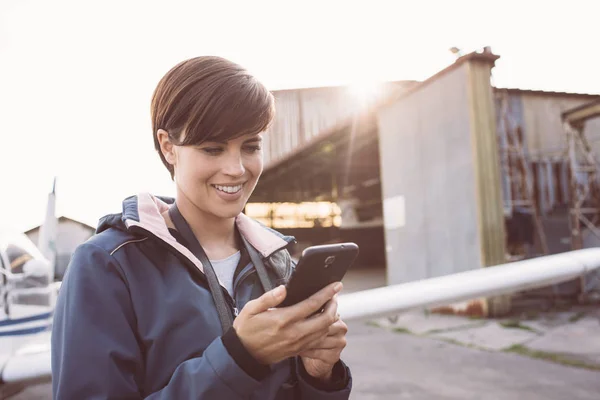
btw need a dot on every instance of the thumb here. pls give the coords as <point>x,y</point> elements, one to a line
<point>270,299</point>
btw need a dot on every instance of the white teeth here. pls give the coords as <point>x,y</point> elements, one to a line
<point>229,189</point>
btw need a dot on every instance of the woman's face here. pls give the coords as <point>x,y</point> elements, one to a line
<point>218,178</point>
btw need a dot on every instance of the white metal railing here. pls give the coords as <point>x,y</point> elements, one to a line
<point>485,282</point>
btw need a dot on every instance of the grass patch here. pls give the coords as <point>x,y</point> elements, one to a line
<point>454,342</point>
<point>531,314</point>
<point>553,357</point>
<point>515,324</point>
<point>398,330</point>
<point>577,317</point>
<point>467,325</point>
<point>461,344</point>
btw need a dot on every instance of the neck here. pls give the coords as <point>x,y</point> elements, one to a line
<point>216,235</point>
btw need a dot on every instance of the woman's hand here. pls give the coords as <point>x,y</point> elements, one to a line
<point>274,334</point>
<point>321,357</point>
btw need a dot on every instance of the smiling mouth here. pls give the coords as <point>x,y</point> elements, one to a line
<point>229,189</point>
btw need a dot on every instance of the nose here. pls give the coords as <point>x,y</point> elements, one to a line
<point>234,165</point>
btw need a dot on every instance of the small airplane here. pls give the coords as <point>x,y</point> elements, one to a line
<point>27,300</point>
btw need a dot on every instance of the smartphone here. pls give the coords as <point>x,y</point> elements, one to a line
<point>318,267</point>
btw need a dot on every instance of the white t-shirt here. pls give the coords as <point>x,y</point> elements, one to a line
<point>225,269</point>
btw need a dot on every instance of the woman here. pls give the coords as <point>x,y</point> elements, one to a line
<point>174,298</point>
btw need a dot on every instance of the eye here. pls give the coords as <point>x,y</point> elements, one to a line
<point>252,148</point>
<point>212,151</point>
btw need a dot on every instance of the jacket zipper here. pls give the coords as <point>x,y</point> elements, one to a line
<point>237,283</point>
<point>231,302</point>
<point>248,270</point>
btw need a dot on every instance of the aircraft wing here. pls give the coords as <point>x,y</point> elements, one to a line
<point>31,362</point>
<point>31,359</point>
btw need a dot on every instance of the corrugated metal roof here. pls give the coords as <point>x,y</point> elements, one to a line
<point>336,87</point>
<point>279,149</point>
<point>336,123</point>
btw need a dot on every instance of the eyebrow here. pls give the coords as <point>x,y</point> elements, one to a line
<point>224,142</point>
<point>215,141</point>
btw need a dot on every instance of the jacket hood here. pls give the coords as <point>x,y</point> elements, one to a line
<point>142,215</point>
<point>130,211</point>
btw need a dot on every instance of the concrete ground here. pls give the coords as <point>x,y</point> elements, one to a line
<point>568,337</point>
<point>393,365</point>
<point>418,356</point>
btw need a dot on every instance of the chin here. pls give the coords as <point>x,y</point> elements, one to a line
<point>228,212</point>
<point>229,215</point>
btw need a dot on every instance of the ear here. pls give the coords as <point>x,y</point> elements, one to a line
<point>166,146</point>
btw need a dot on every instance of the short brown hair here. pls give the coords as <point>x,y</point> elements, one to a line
<point>209,98</point>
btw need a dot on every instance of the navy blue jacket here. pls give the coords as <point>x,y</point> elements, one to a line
<point>135,318</point>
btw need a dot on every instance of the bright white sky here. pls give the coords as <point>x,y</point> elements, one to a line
<point>76,77</point>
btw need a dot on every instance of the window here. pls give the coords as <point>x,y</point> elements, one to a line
<point>18,249</point>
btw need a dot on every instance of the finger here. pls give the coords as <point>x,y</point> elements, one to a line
<point>327,356</point>
<point>315,302</point>
<point>338,328</point>
<point>328,307</point>
<point>322,321</point>
<point>311,340</point>
<point>327,343</point>
<point>336,331</point>
<point>268,300</point>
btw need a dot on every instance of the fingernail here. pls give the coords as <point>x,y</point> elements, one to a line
<point>338,286</point>
<point>278,291</point>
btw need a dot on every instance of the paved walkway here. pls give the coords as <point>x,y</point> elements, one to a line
<point>571,336</point>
